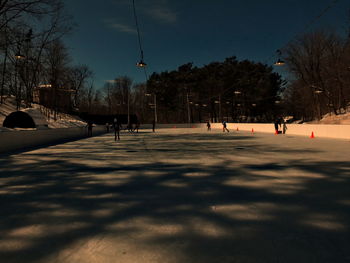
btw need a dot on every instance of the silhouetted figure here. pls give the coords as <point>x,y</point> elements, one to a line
<point>89,128</point>
<point>129,127</point>
<point>137,126</point>
<point>107,127</point>
<point>284,126</point>
<point>224,126</point>
<point>117,126</point>
<point>154,126</point>
<point>208,126</point>
<point>277,124</point>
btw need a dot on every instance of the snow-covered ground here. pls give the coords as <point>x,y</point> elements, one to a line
<point>63,120</point>
<point>331,118</point>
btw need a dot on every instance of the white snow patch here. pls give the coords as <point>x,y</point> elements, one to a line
<point>62,121</point>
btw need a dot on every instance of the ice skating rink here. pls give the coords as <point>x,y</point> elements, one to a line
<point>178,196</point>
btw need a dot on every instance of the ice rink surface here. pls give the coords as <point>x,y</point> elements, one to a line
<point>178,195</point>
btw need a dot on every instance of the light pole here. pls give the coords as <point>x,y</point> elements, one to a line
<point>18,58</point>
<point>154,105</point>
<point>188,108</point>
<point>128,107</point>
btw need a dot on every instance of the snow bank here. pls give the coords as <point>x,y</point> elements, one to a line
<point>22,139</point>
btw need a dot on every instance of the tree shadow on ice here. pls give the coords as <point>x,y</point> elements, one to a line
<point>289,211</point>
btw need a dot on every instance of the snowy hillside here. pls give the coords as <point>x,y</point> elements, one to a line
<point>63,120</point>
<point>343,118</point>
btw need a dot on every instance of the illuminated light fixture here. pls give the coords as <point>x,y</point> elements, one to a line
<point>279,62</point>
<point>318,91</point>
<point>191,102</point>
<point>227,102</point>
<point>196,104</point>
<point>19,56</point>
<point>238,105</point>
<point>237,92</point>
<point>204,105</point>
<point>277,101</point>
<point>254,105</point>
<point>148,94</point>
<point>45,86</point>
<point>141,64</point>
<point>216,101</point>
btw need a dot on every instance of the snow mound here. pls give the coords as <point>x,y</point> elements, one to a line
<point>331,118</point>
<point>62,120</point>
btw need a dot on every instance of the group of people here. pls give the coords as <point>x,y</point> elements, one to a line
<point>117,127</point>
<point>224,126</point>
<point>280,123</point>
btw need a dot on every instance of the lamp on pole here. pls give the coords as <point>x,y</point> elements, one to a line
<point>18,58</point>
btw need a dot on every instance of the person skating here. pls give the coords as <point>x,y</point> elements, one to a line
<point>117,127</point>
<point>224,126</point>
<point>137,126</point>
<point>89,128</point>
<point>284,126</point>
<point>277,125</point>
<point>154,126</point>
<point>208,126</point>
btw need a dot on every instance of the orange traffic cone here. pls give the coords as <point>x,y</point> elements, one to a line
<point>237,129</point>
<point>312,135</point>
<point>252,130</point>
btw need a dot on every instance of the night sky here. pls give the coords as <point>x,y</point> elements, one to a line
<point>181,31</point>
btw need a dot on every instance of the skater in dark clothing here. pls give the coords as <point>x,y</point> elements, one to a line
<point>107,127</point>
<point>277,124</point>
<point>89,128</point>
<point>208,126</point>
<point>117,127</point>
<point>129,127</point>
<point>284,126</point>
<point>154,126</point>
<point>224,126</point>
<point>137,126</point>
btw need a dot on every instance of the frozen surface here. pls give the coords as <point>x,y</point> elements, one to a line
<point>178,195</point>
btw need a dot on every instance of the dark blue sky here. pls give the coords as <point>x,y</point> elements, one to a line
<point>181,31</point>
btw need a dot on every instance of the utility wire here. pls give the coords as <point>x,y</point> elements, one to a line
<point>312,22</point>
<point>138,29</point>
<point>139,38</point>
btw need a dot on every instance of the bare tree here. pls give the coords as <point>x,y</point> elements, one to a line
<point>78,76</point>
<point>56,67</point>
<point>318,62</point>
<point>28,27</point>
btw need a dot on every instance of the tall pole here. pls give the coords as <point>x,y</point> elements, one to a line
<point>128,106</point>
<point>220,117</point>
<point>155,108</point>
<point>188,109</point>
